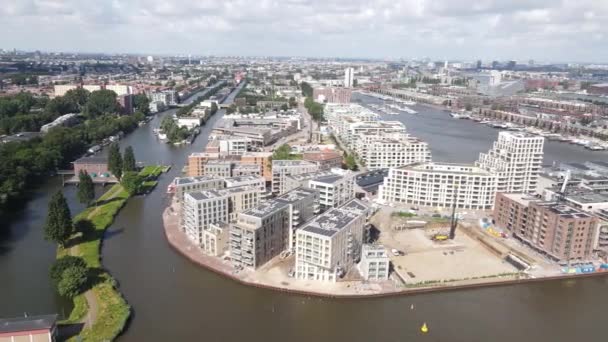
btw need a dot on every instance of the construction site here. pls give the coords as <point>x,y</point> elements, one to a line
<point>431,247</point>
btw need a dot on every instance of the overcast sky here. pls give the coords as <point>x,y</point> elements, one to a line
<point>551,30</point>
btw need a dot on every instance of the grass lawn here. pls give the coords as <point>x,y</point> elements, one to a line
<point>113,310</point>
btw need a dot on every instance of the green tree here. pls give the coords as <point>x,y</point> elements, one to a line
<point>69,275</point>
<point>77,98</point>
<point>86,188</point>
<point>132,182</point>
<point>468,107</point>
<point>115,160</point>
<point>128,160</point>
<point>284,107</point>
<point>142,103</point>
<point>351,163</point>
<point>58,226</point>
<point>282,152</point>
<point>102,102</point>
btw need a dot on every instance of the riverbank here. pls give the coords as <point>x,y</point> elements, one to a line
<point>339,290</point>
<point>102,310</point>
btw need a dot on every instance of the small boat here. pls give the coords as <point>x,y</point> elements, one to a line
<point>412,307</point>
<point>424,328</point>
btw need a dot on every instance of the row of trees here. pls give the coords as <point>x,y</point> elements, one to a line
<point>283,152</point>
<point>314,109</point>
<point>25,164</point>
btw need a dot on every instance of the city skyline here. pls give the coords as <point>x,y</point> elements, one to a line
<point>520,30</point>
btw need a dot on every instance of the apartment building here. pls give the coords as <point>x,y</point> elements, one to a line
<point>218,168</point>
<point>263,159</point>
<point>202,208</point>
<point>331,94</point>
<point>261,233</point>
<point>215,239</point>
<point>354,130</point>
<point>382,151</point>
<point>197,161</point>
<point>329,245</point>
<point>240,169</point>
<point>374,264</point>
<point>558,230</point>
<point>283,168</point>
<point>334,190</point>
<point>516,158</point>
<point>257,182</point>
<point>440,185</point>
<point>182,185</point>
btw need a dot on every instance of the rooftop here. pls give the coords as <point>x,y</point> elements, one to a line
<point>291,163</point>
<point>191,180</point>
<point>334,220</point>
<point>205,195</point>
<point>328,179</point>
<point>91,160</point>
<point>588,197</point>
<point>18,324</point>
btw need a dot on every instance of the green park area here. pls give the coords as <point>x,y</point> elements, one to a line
<point>78,273</point>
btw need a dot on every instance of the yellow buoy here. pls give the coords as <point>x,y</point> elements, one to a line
<point>424,328</point>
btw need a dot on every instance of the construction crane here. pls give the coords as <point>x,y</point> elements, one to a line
<point>454,221</point>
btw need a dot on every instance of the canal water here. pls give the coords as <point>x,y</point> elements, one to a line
<point>174,299</point>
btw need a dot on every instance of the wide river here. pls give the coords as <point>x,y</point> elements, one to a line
<point>174,300</point>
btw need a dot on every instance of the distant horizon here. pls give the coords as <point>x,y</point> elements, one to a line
<point>370,59</point>
<point>543,30</point>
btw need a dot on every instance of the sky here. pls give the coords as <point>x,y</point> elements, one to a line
<point>543,30</point>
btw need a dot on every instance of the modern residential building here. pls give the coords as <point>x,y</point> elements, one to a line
<point>284,168</point>
<point>240,169</point>
<point>440,185</point>
<point>215,239</point>
<point>202,208</point>
<point>349,77</point>
<point>374,264</point>
<point>382,151</point>
<point>218,168</point>
<point>183,185</point>
<point>516,158</point>
<point>263,232</point>
<point>257,182</point>
<point>263,159</point>
<point>556,229</point>
<point>329,245</point>
<point>334,190</point>
<point>331,95</point>
<point>197,162</point>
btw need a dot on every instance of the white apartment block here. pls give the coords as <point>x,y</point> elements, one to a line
<point>516,158</point>
<point>328,246</point>
<point>183,185</point>
<point>374,264</point>
<point>215,239</point>
<point>283,168</point>
<point>257,182</point>
<point>200,210</point>
<point>440,185</point>
<point>218,168</point>
<point>203,208</point>
<point>335,189</point>
<point>234,146</point>
<point>354,130</point>
<point>383,151</point>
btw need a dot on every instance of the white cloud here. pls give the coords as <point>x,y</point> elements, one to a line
<point>539,29</point>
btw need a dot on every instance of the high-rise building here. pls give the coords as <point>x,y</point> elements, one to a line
<point>329,245</point>
<point>516,158</point>
<point>349,77</point>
